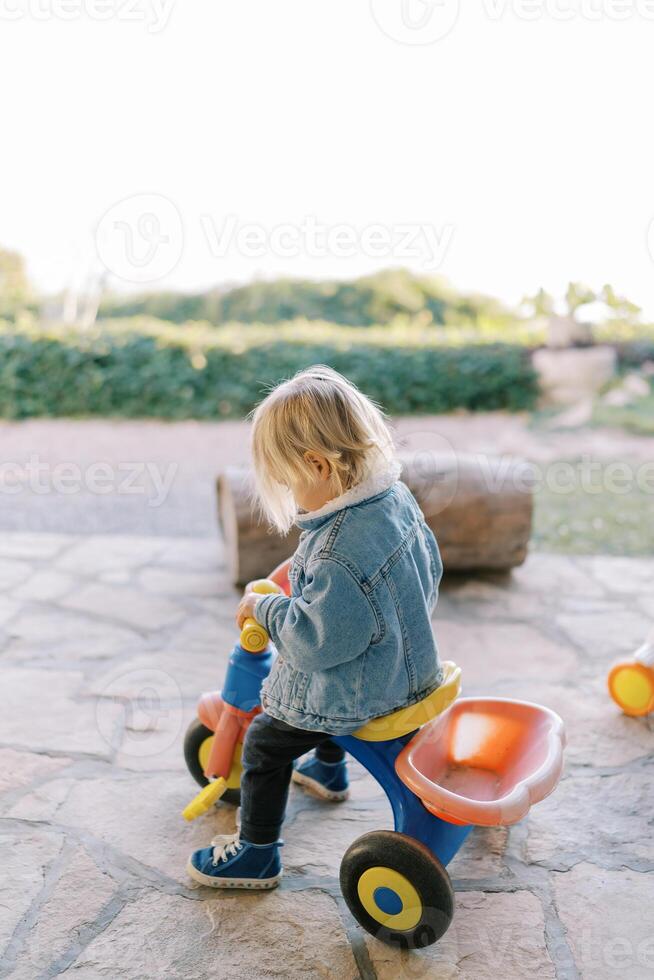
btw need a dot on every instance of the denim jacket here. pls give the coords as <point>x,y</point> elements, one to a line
<point>354,639</point>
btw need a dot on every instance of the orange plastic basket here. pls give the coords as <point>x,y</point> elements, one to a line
<point>486,761</point>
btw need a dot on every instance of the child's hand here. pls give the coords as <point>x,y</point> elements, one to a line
<point>246,608</point>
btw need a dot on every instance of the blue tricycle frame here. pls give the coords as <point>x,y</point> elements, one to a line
<point>410,816</point>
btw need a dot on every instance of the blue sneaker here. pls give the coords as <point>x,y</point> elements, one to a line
<point>327,780</point>
<point>234,863</point>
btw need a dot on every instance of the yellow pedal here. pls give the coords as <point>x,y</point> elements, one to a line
<point>205,799</point>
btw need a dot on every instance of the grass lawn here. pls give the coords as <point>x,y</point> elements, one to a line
<point>638,417</point>
<point>596,520</point>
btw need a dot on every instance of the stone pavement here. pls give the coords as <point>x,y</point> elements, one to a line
<point>105,645</point>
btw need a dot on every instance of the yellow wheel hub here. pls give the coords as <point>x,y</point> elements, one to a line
<point>632,687</point>
<point>234,778</point>
<point>382,891</point>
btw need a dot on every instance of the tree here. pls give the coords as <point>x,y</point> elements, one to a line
<point>577,295</point>
<point>540,304</point>
<point>621,307</point>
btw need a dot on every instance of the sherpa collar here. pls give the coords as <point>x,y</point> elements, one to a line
<point>381,478</point>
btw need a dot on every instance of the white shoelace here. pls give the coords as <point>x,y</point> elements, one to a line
<point>224,847</point>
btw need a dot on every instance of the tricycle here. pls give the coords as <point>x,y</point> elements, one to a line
<point>446,764</point>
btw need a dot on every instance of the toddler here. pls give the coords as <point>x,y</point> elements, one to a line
<point>354,639</point>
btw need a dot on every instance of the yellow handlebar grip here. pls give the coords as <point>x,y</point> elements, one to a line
<point>254,638</point>
<point>266,586</point>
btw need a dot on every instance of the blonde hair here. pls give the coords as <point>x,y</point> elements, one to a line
<point>318,411</point>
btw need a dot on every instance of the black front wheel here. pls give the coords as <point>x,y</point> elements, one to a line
<point>397,889</point>
<point>197,745</point>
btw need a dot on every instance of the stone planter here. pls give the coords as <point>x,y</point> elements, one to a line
<point>565,332</point>
<point>574,374</point>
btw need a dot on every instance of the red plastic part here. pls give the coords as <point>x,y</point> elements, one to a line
<point>210,707</point>
<point>228,732</point>
<point>230,725</point>
<point>280,576</point>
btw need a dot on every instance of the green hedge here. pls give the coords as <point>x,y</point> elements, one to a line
<point>204,373</point>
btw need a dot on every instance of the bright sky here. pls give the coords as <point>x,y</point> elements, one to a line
<point>281,137</point>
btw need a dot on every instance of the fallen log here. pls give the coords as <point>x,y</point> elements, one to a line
<point>479,508</point>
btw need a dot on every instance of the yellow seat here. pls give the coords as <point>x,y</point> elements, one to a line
<point>406,720</point>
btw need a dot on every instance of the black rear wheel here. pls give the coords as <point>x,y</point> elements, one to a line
<point>397,889</point>
<point>197,744</point>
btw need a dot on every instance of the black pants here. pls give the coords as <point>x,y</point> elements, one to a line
<point>269,749</point>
